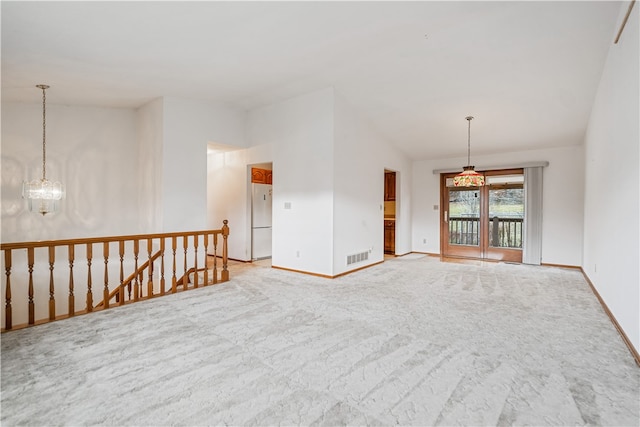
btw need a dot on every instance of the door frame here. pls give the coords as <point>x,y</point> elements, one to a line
<point>396,200</point>
<point>483,251</point>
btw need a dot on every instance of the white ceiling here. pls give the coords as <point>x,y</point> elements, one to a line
<point>527,71</point>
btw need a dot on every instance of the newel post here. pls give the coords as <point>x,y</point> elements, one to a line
<point>225,234</point>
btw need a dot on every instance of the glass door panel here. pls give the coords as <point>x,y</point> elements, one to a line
<point>461,224</point>
<point>506,216</point>
<point>464,217</point>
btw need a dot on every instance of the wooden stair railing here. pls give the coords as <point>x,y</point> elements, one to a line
<point>115,293</point>
<point>26,290</point>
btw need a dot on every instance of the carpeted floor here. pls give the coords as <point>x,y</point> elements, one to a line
<point>412,341</point>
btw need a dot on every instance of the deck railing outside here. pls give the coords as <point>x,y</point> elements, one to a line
<point>51,280</point>
<point>503,232</point>
<point>464,231</point>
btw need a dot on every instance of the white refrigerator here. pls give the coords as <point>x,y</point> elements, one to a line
<point>261,204</point>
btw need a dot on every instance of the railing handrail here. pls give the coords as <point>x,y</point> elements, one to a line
<point>106,239</point>
<point>475,218</point>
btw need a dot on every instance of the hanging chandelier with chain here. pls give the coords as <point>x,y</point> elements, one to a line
<point>43,195</point>
<point>468,177</point>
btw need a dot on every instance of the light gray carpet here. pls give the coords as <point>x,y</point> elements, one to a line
<point>412,341</point>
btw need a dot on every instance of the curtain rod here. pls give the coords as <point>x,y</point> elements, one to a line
<point>543,164</point>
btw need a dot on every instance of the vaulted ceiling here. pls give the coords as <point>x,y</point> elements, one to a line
<point>527,71</point>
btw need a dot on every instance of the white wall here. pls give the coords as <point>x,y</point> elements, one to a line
<point>611,229</point>
<point>562,210</point>
<point>300,132</point>
<point>361,157</point>
<point>150,141</point>
<point>329,165</point>
<point>188,127</point>
<point>93,151</point>
<point>227,194</point>
<point>126,171</point>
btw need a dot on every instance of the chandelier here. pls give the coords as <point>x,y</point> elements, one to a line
<point>43,195</point>
<point>468,177</point>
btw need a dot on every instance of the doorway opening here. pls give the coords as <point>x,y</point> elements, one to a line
<point>484,222</point>
<point>261,211</point>
<point>390,182</point>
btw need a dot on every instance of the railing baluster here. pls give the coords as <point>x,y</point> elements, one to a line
<point>520,226</point>
<point>473,225</point>
<point>162,266</point>
<point>195,260</point>
<point>469,232</point>
<point>120,296</point>
<point>8,317</point>
<point>30,261</point>
<point>185,278</point>
<point>89,279</point>
<point>452,233</point>
<point>141,282</point>
<point>505,230</point>
<point>225,234</point>
<point>466,232</point>
<point>174,279</point>
<point>136,285</point>
<point>215,258</point>
<point>150,284</point>
<point>52,300</point>
<point>206,254</point>
<point>72,297</point>
<point>105,253</point>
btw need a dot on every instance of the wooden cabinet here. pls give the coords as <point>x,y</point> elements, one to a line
<point>389,186</point>
<point>390,237</point>
<point>261,176</point>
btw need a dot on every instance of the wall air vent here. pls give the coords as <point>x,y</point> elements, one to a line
<point>355,258</point>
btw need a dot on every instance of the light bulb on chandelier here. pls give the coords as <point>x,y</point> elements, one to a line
<point>43,195</point>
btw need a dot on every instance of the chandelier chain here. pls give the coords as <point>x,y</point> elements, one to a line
<point>44,139</point>
<point>469,143</point>
<point>469,118</point>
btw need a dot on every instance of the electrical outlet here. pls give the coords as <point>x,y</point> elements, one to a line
<point>424,241</point>
<point>297,254</point>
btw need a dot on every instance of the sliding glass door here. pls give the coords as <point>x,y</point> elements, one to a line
<point>484,222</point>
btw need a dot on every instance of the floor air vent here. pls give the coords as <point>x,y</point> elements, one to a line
<point>362,256</point>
